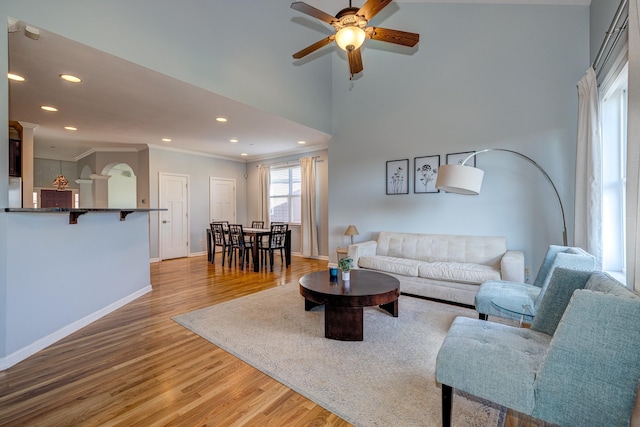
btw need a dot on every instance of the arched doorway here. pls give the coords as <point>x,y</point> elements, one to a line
<point>122,186</point>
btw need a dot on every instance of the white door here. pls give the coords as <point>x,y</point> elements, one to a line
<point>174,222</point>
<point>222,200</point>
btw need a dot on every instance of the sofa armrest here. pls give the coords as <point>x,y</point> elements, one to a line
<point>512,266</point>
<point>357,250</point>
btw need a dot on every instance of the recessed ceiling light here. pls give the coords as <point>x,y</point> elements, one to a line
<point>32,32</point>
<point>70,78</point>
<point>71,128</point>
<point>302,142</point>
<point>221,119</point>
<point>48,108</point>
<point>234,140</point>
<point>166,139</point>
<point>15,77</point>
<point>243,154</point>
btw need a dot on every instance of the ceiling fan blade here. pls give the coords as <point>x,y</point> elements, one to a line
<point>393,36</point>
<point>317,45</point>
<point>371,8</point>
<point>355,61</point>
<point>312,11</point>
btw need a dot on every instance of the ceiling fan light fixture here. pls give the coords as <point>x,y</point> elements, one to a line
<point>350,38</point>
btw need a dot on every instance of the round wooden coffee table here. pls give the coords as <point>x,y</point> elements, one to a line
<point>344,301</point>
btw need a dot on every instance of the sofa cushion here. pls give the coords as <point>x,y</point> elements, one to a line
<point>447,248</point>
<point>406,267</point>
<point>458,272</point>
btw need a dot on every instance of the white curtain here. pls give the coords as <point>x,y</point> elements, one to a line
<point>633,148</point>
<point>263,204</point>
<point>309,231</point>
<point>588,198</point>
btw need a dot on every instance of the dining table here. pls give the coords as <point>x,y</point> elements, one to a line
<point>257,234</point>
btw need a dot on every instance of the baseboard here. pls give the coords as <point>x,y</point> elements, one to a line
<point>44,342</point>
<point>152,260</point>
<point>197,254</point>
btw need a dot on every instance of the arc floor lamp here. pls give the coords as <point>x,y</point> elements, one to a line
<point>467,180</point>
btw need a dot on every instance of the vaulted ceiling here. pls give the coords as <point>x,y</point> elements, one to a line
<point>120,104</point>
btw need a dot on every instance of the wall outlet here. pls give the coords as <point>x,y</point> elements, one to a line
<point>527,271</point>
<point>201,244</point>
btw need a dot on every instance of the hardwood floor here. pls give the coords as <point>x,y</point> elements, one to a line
<point>137,367</point>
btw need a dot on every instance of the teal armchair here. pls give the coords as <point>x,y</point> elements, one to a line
<point>506,299</point>
<point>578,364</point>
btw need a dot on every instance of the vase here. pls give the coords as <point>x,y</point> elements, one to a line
<point>346,275</point>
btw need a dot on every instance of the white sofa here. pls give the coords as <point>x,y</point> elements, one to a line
<point>442,267</point>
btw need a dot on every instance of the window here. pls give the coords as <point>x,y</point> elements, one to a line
<point>613,114</point>
<point>284,194</point>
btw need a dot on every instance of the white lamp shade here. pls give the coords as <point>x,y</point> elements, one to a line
<point>350,38</point>
<point>459,179</point>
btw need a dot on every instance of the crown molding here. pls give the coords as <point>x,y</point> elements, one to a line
<point>106,150</point>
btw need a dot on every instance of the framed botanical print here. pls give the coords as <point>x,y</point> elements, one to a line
<point>398,176</point>
<point>458,158</point>
<point>425,171</point>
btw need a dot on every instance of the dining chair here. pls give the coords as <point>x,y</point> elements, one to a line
<point>277,240</point>
<point>225,224</point>
<point>256,224</point>
<point>239,245</point>
<point>219,239</point>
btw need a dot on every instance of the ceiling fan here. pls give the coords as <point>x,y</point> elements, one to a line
<point>351,30</point>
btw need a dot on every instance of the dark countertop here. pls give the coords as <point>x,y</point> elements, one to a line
<point>74,213</point>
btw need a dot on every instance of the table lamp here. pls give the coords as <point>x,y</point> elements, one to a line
<point>351,231</point>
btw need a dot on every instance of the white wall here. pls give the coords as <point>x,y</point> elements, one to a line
<point>61,276</point>
<point>122,187</point>
<point>202,42</point>
<point>199,169</point>
<point>483,76</point>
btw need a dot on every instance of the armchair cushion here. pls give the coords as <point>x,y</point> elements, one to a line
<point>492,360</point>
<point>555,300</point>
<point>602,282</point>
<point>520,293</point>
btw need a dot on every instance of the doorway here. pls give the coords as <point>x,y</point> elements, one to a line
<point>122,186</point>
<point>222,200</point>
<point>174,222</point>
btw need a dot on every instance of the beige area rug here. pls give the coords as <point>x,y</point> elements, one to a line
<point>386,380</point>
